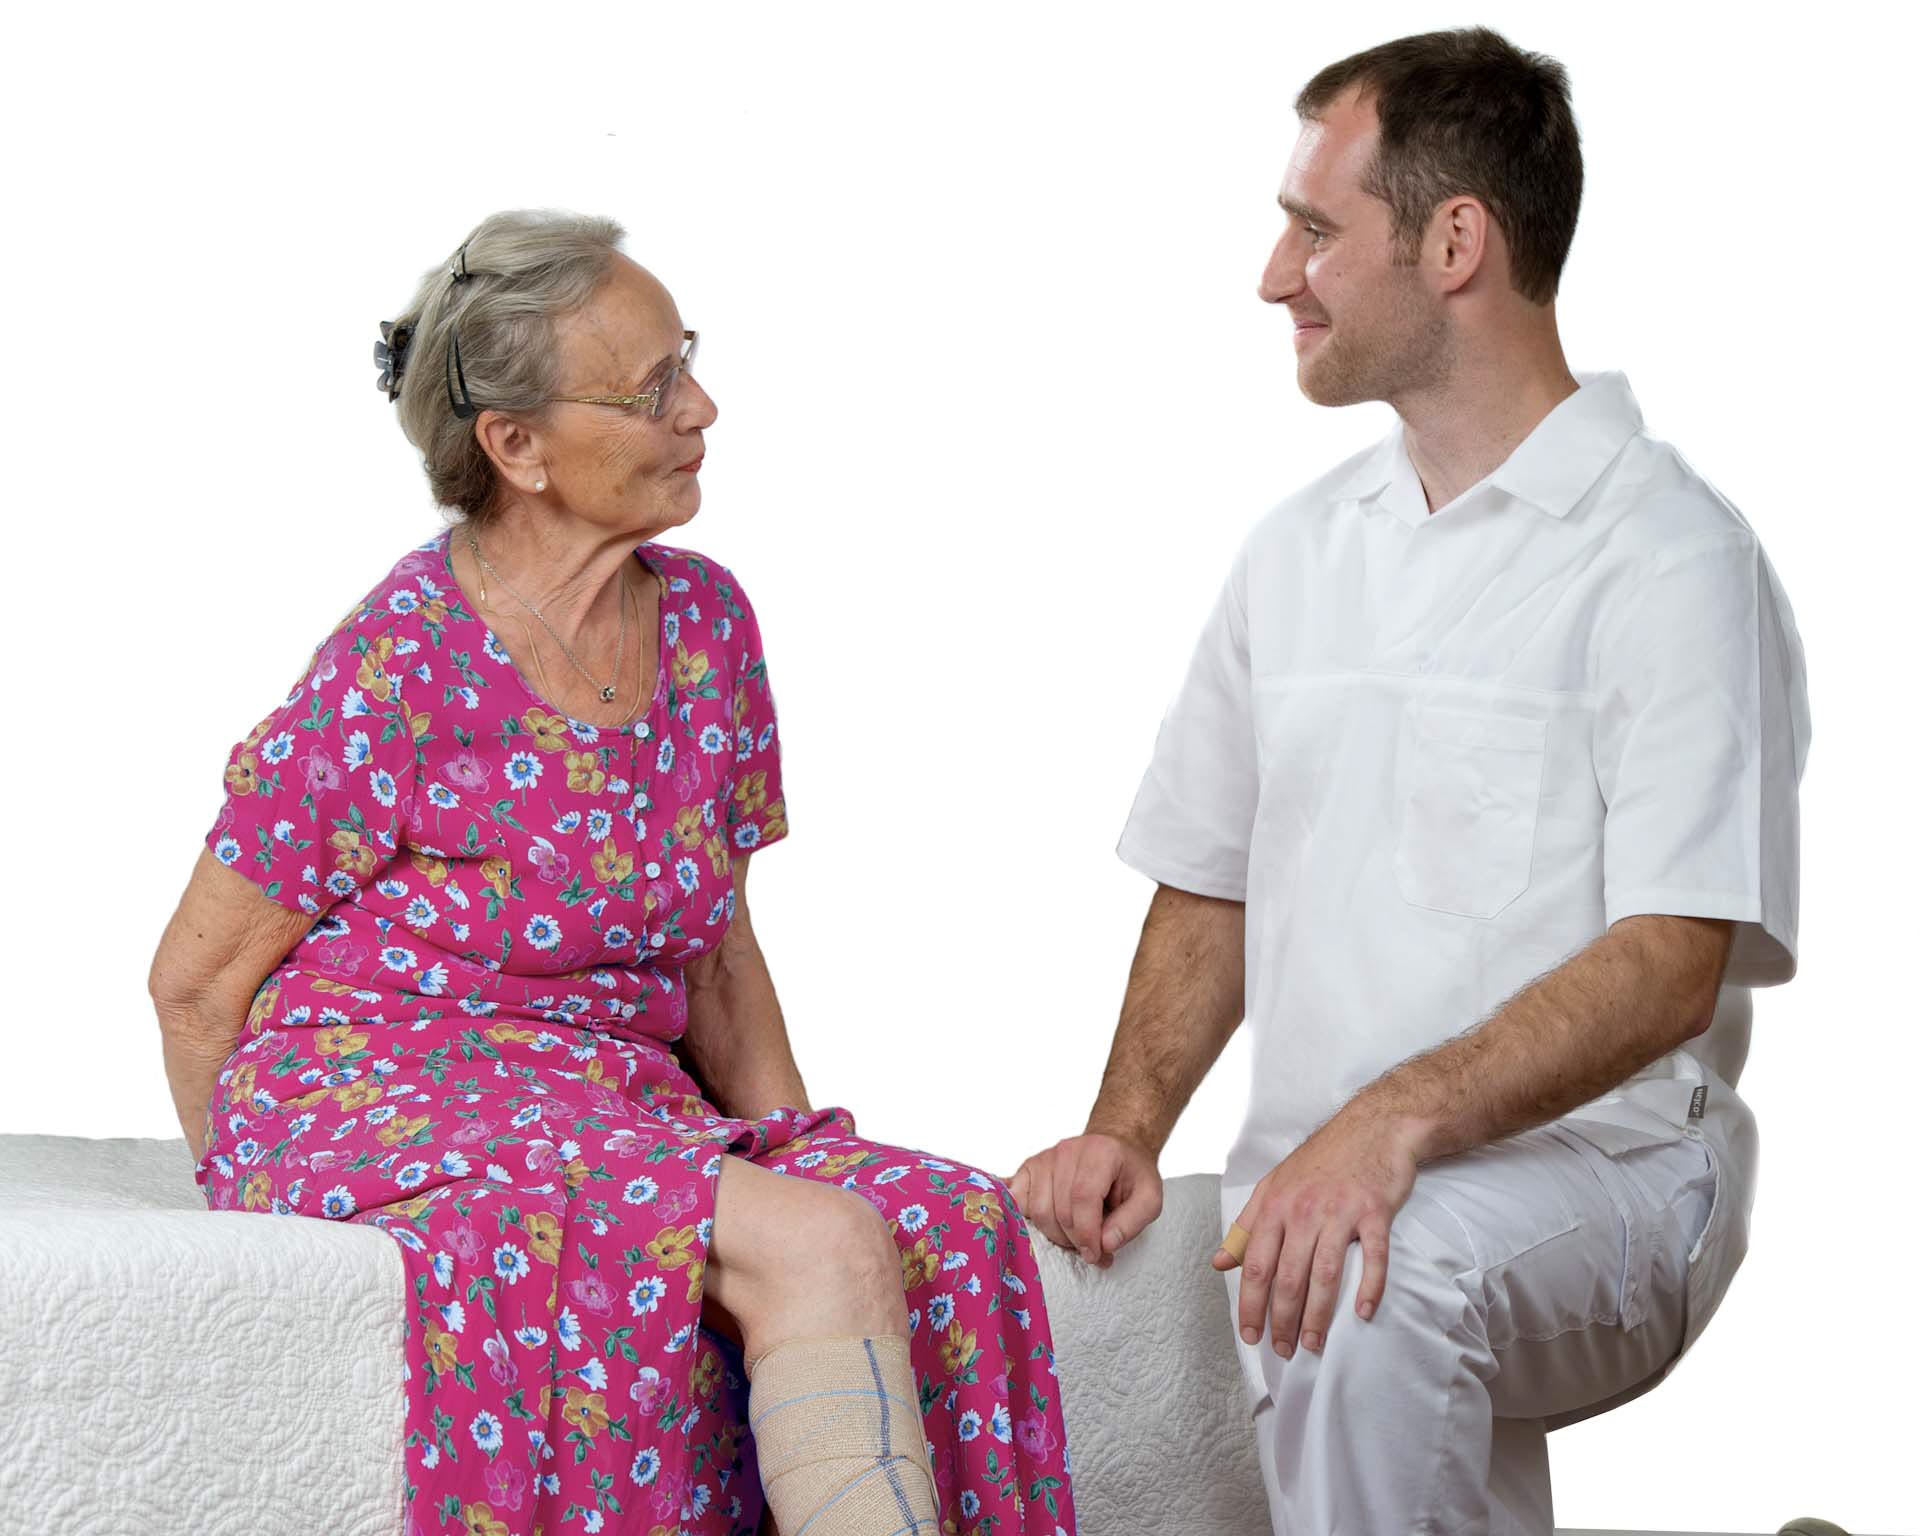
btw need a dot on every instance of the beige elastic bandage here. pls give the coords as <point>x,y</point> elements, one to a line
<point>836,1426</point>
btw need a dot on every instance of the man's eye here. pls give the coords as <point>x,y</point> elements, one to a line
<point>1318,234</point>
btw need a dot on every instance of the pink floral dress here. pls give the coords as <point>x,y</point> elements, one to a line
<point>471,1050</point>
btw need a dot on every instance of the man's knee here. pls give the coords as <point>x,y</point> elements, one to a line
<point>1423,1324</point>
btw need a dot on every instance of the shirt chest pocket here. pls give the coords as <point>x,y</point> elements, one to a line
<point>1467,797</point>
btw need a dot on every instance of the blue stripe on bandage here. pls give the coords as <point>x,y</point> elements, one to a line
<point>756,1420</point>
<point>887,1466</point>
<point>886,1435</point>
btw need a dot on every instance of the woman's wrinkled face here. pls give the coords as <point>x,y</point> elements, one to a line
<point>619,466</point>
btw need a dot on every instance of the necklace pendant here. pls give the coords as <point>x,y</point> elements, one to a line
<point>606,694</point>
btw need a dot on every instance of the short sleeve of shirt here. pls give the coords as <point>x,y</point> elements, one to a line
<point>1700,739</point>
<point>756,804</point>
<point>316,793</point>
<point>1193,815</point>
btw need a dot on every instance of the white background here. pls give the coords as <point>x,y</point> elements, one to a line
<point>997,402</point>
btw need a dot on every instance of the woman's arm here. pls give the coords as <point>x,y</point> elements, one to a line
<point>225,937</point>
<point>736,1040</point>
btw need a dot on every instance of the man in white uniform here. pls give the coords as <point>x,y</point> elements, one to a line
<point>1479,802</point>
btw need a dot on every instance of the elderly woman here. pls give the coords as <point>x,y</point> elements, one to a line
<point>468,958</point>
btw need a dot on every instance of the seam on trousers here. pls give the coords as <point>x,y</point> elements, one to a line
<point>1479,1268</point>
<point>1480,1273</point>
<point>1424,1525</point>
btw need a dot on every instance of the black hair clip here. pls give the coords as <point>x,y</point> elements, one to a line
<point>459,271</point>
<point>390,352</point>
<point>462,405</point>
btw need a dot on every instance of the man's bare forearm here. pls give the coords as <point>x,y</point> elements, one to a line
<point>1641,989</point>
<point>1185,997</point>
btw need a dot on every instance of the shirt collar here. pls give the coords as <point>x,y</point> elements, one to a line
<point>1554,466</point>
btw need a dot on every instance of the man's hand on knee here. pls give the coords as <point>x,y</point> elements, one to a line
<point>1343,1184</point>
<point>1093,1193</point>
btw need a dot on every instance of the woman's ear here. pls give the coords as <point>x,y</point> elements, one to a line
<point>518,455</point>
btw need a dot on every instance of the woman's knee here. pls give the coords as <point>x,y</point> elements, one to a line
<point>780,1242</point>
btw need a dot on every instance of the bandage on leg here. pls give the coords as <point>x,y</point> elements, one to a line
<point>836,1426</point>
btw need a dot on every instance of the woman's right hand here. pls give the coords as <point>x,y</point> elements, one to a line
<point>1094,1193</point>
<point>225,938</point>
<point>193,1072</point>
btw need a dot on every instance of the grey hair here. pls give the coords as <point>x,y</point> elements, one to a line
<point>527,269</point>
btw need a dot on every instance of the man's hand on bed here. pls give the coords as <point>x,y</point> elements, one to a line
<point>1343,1184</point>
<point>1093,1193</point>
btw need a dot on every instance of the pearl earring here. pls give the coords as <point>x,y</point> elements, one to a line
<point>539,485</point>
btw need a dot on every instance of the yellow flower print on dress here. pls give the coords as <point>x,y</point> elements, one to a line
<point>956,1349</point>
<point>689,671</point>
<point>982,1207</point>
<point>549,732</point>
<point>497,874</point>
<point>774,823</point>
<point>545,1236</point>
<point>256,1191</point>
<point>671,1247</point>
<point>477,1520</point>
<point>584,773</point>
<point>352,1096</point>
<point>262,1007</point>
<point>750,793</point>
<point>372,676</point>
<point>917,1264</point>
<point>611,865</point>
<point>243,775</point>
<point>401,1129</point>
<point>352,852</point>
<point>689,827</point>
<point>339,1040</point>
<point>443,1349</point>
<point>706,1374</point>
<point>586,1411</point>
<point>719,855</point>
<point>434,869</point>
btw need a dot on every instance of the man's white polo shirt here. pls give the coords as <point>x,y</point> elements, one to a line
<point>1436,753</point>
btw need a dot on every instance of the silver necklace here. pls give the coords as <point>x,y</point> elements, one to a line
<point>606,689</point>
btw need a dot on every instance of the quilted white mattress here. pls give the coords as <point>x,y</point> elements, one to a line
<point>169,1369</point>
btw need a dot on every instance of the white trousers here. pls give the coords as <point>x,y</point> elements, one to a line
<point>1527,1279</point>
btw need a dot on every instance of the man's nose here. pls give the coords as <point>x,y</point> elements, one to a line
<point>1282,277</point>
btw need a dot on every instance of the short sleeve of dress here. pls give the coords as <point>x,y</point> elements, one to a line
<point>756,803</point>
<point>1700,740</point>
<point>317,793</point>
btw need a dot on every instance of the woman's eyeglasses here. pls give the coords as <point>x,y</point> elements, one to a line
<point>654,400</point>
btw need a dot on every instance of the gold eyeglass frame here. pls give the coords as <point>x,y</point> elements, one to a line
<point>653,399</point>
